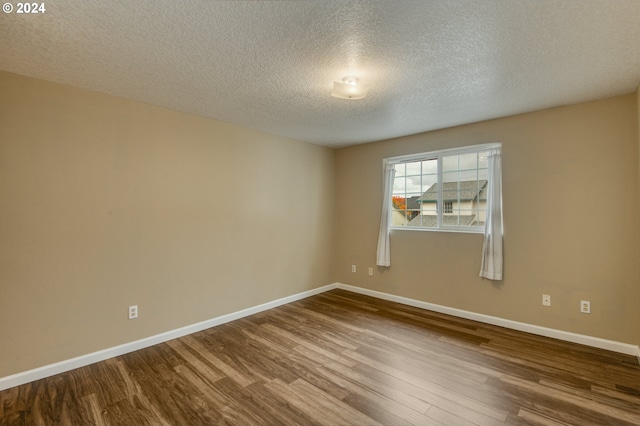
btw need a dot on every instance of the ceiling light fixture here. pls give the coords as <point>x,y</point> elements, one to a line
<point>349,88</point>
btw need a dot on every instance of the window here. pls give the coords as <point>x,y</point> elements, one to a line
<point>456,179</point>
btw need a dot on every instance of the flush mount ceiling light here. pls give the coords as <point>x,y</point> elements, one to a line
<point>349,88</point>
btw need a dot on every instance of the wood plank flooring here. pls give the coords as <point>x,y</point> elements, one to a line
<point>339,358</point>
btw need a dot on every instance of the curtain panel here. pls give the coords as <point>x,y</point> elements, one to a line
<point>384,249</point>
<point>492,248</point>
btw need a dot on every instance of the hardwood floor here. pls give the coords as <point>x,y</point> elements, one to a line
<point>339,358</point>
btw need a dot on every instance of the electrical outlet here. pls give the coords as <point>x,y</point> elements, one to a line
<point>546,299</point>
<point>133,312</point>
<point>585,306</point>
<point>370,271</point>
<point>353,268</point>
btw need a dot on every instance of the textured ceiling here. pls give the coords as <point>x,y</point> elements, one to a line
<point>270,65</point>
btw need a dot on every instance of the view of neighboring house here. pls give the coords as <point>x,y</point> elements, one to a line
<point>464,204</point>
<point>404,210</point>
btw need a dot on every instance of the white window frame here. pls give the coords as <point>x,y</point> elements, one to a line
<point>438,155</point>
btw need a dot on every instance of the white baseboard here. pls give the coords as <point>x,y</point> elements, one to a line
<point>595,342</point>
<point>81,361</point>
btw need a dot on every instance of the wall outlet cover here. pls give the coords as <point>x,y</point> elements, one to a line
<point>585,306</point>
<point>133,312</point>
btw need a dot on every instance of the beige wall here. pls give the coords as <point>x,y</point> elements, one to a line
<point>107,203</point>
<point>638,134</point>
<point>553,161</point>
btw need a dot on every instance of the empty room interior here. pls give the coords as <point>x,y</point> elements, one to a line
<point>329,212</point>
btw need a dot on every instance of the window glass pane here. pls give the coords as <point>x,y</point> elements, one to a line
<point>450,176</point>
<point>411,215</point>
<point>399,186</point>
<point>449,163</point>
<point>469,161</point>
<point>425,221</point>
<point>481,216</point>
<point>400,169</point>
<point>430,166</point>
<point>450,220</point>
<point>468,175</point>
<point>399,202</point>
<point>450,194</point>
<point>398,218</point>
<point>483,160</point>
<point>428,181</point>
<point>414,184</point>
<point>413,169</point>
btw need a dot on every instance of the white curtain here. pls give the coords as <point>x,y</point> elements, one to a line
<point>384,250</point>
<point>492,249</point>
